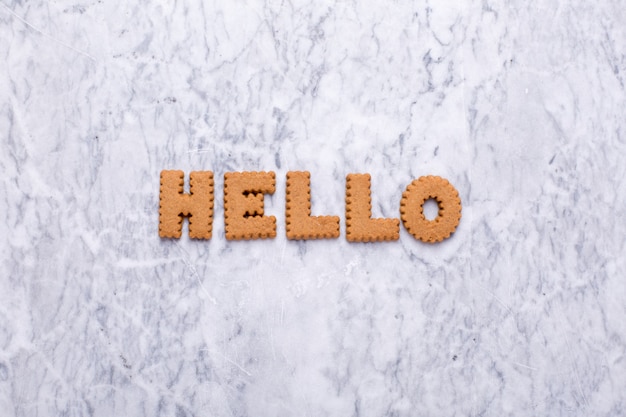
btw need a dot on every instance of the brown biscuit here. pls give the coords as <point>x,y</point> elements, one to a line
<point>174,204</point>
<point>447,198</point>
<point>360,227</point>
<point>299,222</point>
<point>243,205</point>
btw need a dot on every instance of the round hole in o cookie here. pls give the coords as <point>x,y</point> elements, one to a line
<point>431,209</point>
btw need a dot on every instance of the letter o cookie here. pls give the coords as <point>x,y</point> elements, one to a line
<point>412,209</point>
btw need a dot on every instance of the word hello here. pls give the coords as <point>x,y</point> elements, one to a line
<point>244,215</point>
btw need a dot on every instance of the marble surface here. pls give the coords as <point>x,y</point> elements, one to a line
<point>520,105</point>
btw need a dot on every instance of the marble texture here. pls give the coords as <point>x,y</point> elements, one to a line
<point>521,105</point>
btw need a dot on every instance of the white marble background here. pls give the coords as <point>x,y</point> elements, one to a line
<point>521,105</point>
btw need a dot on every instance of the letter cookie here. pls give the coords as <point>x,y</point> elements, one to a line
<point>447,198</point>
<point>300,224</point>
<point>174,204</point>
<point>360,227</point>
<point>243,205</point>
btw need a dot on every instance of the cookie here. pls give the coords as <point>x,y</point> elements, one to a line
<point>174,204</point>
<point>360,227</point>
<point>299,222</point>
<point>243,205</point>
<point>412,209</point>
